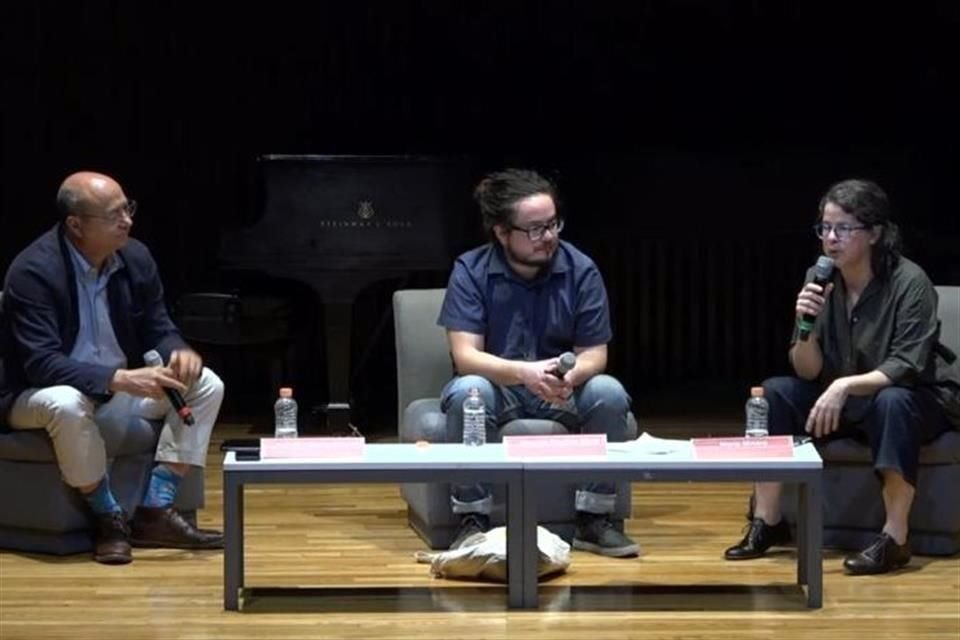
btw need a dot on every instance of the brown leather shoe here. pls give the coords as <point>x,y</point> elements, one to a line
<point>112,539</point>
<point>164,527</point>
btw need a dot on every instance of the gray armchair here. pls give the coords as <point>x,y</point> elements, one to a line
<point>39,513</point>
<point>423,367</point>
<point>852,506</point>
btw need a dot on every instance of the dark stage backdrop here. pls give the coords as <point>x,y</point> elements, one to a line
<point>691,141</point>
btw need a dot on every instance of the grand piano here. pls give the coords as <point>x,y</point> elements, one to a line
<point>340,223</point>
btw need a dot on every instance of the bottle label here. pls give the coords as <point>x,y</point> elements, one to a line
<point>474,425</point>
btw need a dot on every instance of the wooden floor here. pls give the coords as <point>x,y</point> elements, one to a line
<point>340,538</point>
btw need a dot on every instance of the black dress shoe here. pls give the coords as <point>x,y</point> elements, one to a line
<point>164,527</point>
<point>883,555</point>
<point>760,537</point>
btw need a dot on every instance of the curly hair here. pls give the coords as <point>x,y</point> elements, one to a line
<point>499,192</point>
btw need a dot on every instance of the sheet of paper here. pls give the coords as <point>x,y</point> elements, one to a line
<point>648,445</point>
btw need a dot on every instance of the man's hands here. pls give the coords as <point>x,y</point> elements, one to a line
<point>148,382</point>
<point>186,365</point>
<point>824,417</point>
<point>539,379</point>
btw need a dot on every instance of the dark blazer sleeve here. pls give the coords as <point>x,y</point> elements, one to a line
<point>36,311</point>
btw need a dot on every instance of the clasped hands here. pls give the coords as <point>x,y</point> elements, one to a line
<point>148,382</point>
<point>539,378</point>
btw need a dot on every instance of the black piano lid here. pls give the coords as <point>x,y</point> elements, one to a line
<point>349,212</point>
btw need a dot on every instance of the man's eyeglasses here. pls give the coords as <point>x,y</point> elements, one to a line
<point>536,232</point>
<point>129,209</point>
<point>842,231</point>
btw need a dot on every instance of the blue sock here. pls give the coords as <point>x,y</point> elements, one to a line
<point>101,499</point>
<point>163,487</point>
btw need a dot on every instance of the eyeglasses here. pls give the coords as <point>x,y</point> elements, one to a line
<point>129,209</point>
<point>535,232</point>
<point>842,231</point>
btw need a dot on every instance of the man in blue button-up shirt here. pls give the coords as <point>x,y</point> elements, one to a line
<point>512,307</point>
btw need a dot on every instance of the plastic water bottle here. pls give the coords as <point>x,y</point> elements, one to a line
<point>474,419</point>
<point>285,415</point>
<point>757,410</point>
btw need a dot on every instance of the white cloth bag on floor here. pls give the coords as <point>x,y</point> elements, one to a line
<point>484,555</point>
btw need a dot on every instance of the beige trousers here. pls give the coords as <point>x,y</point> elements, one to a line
<point>75,423</point>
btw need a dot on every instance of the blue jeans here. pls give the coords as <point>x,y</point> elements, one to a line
<point>895,421</point>
<point>600,405</point>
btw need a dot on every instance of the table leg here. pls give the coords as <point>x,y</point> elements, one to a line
<point>232,542</point>
<point>801,529</point>
<point>531,553</point>
<point>515,542</point>
<point>813,522</point>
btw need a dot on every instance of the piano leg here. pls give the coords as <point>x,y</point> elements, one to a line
<point>337,316</point>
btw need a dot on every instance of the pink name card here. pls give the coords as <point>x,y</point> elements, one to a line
<point>739,448</point>
<point>569,446</point>
<point>312,448</point>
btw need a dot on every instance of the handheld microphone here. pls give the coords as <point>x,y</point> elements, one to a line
<point>822,272</point>
<point>567,361</point>
<point>153,359</point>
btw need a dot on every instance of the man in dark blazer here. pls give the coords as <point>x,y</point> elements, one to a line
<point>82,304</point>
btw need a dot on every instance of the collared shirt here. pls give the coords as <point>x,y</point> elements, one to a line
<point>563,307</point>
<point>893,329</point>
<point>96,342</point>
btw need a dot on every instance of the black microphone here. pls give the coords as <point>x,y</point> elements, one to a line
<point>822,272</point>
<point>153,359</point>
<point>566,362</point>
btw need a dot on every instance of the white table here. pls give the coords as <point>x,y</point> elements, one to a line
<point>524,477</point>
<point>380,463</point>
<point>628,462</point>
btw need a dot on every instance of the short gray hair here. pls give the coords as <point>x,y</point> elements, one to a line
<point>69,202</point>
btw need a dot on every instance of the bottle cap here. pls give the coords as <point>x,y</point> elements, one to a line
<point>286,392</point>
<point>756,392</point>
